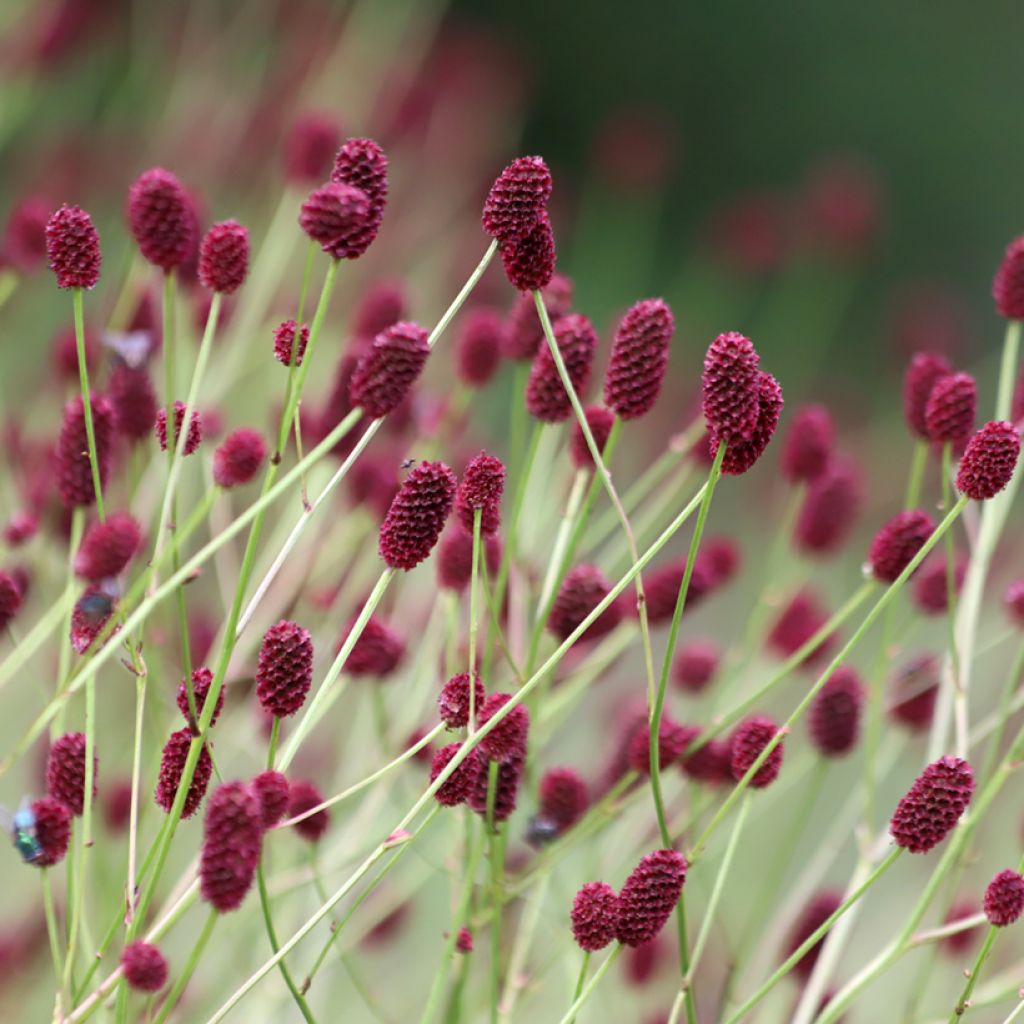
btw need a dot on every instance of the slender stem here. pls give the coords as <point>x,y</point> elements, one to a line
<point>473,615</point>
<point>815,937</point>
<point>581,980</point>
<point>83,377</point>
<point>918,461</point>
<point>53,931</point>
<point>962,719</point>
<point>1008,370</point>
<point>190,967</point>
<point>963,1003</point>
<point>591,985</point>
<point>133,813</point>
<point>494,854</point>
<point>1002,715</point>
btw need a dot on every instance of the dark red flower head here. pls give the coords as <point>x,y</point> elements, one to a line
<point>933,805</point>
<point>897,542</point>
<point>303,796</point>
<point>673,739</point>
<point>924,371</point>
<point>989,461</point>
<point>546,397</point>
<point>10,599</point>
<point>524,334</point>
<point>91,613</point>
<point>931,585</point>
<point>507,740</point>
<point>731,388</point>
<point>238,459</point>
<point>224,257</point>
<point>639,358</point>
<point>24,241</point>
<point>1013,599</point>
<point>481,488</point>
<point>749,739</point>
<point>821,907</point>
<point>1004,898</point>
<point>144,966</point>
<point>20,529</point>
<point>740,456</point>
<point>711,763</point>
<point>562,798</point>
<point>455,789</point>
<point>53,830</point>
<point>334,215</point>
<point>172,764</point>
<point>417,515</point>
<point>506,790</point>
<point>284,343</point>
<point>464,941</point>
<point>73,472</point>
<point>1008,286</point>
<point>455,557</point>
<point>65,771</point>
<point>133,401</point>
<point>595,916</point>
<point>915,687</point>
<point>284,672</point>
<point>202,680</point>
<point>518,199</point>
<point>695,665</point>
<point>162,218</point>
<point>600,421</point>
<point>829,509</point>
<point>951,408</point>
<point>310,147</point>
<point>73,248</point>
<point>195,428</point>
<point>582,590</point>
<point>807,446</point>
<point>834,715</point>
<point>649,896</point>
<point>377,652</point>
<point>362,164</point>
<point>453,701</point>
<point>804,616</point>
<point>529,262</point>
<point>479,345</point>
<point>272,791</point>
<point>385,375</point>
<point>959,943</point>
<point>232,840</point>
<point>108,547</point>
<point>381,306</point>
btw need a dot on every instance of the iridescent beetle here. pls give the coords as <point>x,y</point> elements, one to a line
<point>21,827</point>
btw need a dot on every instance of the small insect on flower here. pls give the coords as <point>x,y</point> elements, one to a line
<point>21,827</point>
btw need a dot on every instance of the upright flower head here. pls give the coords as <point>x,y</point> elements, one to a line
<point>378,652</point>
<point>507,740</point>
<point>285,342</point>
<point>830,508</point>
<point>384,377</point>
<point>144,966</point>
<point>65,772</point>
<point>232,840</point>
<point>73,471</point>
<point>381,306</point>
<point>162,218</point>
<point>481,488</point>
<point>529,261</point>
<point>748,741</point>
<point>562,798</point>
<point>284,672</point>
<point>798,622</point>
<point>455,557</point>
<point>546,397</point>
<point>333,215</point>
<point>731,388</point>
<point>310,147</point>
<point>73,248</point>
<point>639,358</point>
<point>582,590</point>
<point>649,896</point>
<point>417,515</point>
<point>479,345</point>
<point>951,407</point>
<point>272,791</point>
<point>807,446</point>
<point>933,805</point>
<point>925,370</point>
<point>695,665</point>
<point>600,420</point>
<point>456,788</point>
<point>362,164</point>
<point>172,765</point>
<point>52,829</point>
<point>506,791</point>
<point>897,542</point>
<point>915,687</point>
<point>595,916</point>
<point>989,461</point>
<point>107,547</point>
<point>1004,898</point>
<point>673,739</point>
<point>834,715</point>
<point>202,680</point>
<point>453,701</point>
<point>238,459</point>
<point>1008,286</point>
<point>133,401</point>
<point>195,428</point>
<point>224,257</point>
<point>931,587</point>
<point>517,199</point>
<point>740,456</point>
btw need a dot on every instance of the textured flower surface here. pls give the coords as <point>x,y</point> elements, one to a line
<point>232,840</point>
<point>384,377</point>
<point>108,547</point>
<point>284,672</point>
<point>989,461</point>
<point>924,371</point>
<point>821,907</point>
<point>480,489</point>
<point>224,257</point>
<point>529,262</point>
<point>73,470</point>
<point>517,199</point>
<point>582,590</point>
<point>546,397</point>
<point>65,771</point>
<point>453,702</point>
<point>303,796</point>
<point>835,713</point>
<point>897,542</point>
<point>202,680</point>
<point>145,968</point>
<point>749,740</point>
<point>595,916</point>
<point>649,896</point>
<point>731,388</point>
<point>172,767</point>
<point>73,248</point>
<point>507,739</point>
<point>195,428</point>
<point>417,515</point>
<point>273,792</point>
<point>933,805</point>
<point>1004,898</point>
<point>639,359</point>
<point>1008,286</point>
<point>239,458</point>
<point>162,218</point>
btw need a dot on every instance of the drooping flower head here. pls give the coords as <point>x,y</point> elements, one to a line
<point>284,672</point>
<point>481,488</point>
<point>73,248</point>
<point>232,840</point>
<point>933,805</point>
<point>546,397</point>
<point>417,515</point>
<point>162,219</point>
<point>639,358</point>
<point>989,461</point>
<point>384,376</point>
<point>517,199</point>
<point>740,456</point>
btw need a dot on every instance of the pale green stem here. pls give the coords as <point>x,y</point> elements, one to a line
<point>198,948</point>
<point>915,477</point>
<point>473,615</point>
<point>591,985</point>
<point>494,855</point>
<point>581,981</point>
<point>572,508</point>
<point>133,814</point>
<point>83,377</point>
<point>963,1003</point>
<point>53,931</point>
<point>1002,716</point>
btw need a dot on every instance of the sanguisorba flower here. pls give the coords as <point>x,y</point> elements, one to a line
<point>830,508</point>
<point>479,345</point>
<point>10,599</point>
<point>933,805</point>
<point>238,459</point>
<point>923,372</point>
<point>731,388</point>
<point>951,407</point>
<point>821,907</point>
<point>506,789</point>
<point>53,830</point>
<point>133,400</point>
<point>507,740</point>
<point>1004,898</point>
<point>748,741</point>
<point>172,765</point>
<point>362,164</point>
<point>456,788</point>
<point>224,257</point>
<point>285,342</point>
<point>195,428</point>
<point>303,796</point>
<point>453,701</point>
<point>833,718</point>
<point>546,397</point>
<point>377,652</point>
<point>72,470</point>
<point>417,515</point>
<point>1008,286</point>
<point>284,671</point>
<point>334,214</point>
<point>73,248</point>
<point>310,147</point>
<point>740,456</point>
<point>232,839</point>
<point>808,444</point>
<point>384,376</point>
<point>524,334</point>
<point>595,916</point>
<point>649,896</point>
<point>162,219</point>
<point>517,199</point>
<point>600,421</point>
<point>65,771</point>
<point>562,798</point>
<point>455,557</point>
<point>989,461</point>
<point>897,542</point>
<point>383,304</point>
<point>582,590</point>
<point>144,966</point>
<point>529,262</point>
<point>639,358</point>
<point>107,547</point>
<point>272,791</point>
<point>480,488</point>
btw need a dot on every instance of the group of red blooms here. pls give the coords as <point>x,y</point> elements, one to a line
<point>742,405</point>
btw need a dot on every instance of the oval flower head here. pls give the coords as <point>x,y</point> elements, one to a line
<point>417,515</point>
<point>933,805</point>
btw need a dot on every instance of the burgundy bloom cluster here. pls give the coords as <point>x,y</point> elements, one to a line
<point>384,377</point>
<point>108,547</point>
<point>807,446</point>
<point>798,622</point>
<point>202,680</point>
<point>333,214</point>
<point>133,400</point>
<point>377,652</point>
<point>195,428</point>
<point>931,587</point>
<point>73,248</point>
<point>546,397</point>
<point>303,796</point>
<point>172,767</point>
<point>639,359</point>
<point>65,772</point>
<point>529,261</point>
<point>232,841</point>
<point>144,966</point>
<point>479,345</point>
<point>507,740</point>
<point>1008,286</point>
<point>649,896</point>
<point>284,342</point>
<point>238,459</point>
<point>582,590</point>
<point>988,461</point>
<point>897,543</point>
<point>933,805</point>
<point>310,147</point>
<point>224,257</point>
<point>284,672</point>
<point>695,665</point>
<point>1004,898</point>
<point>517,199</point>
<point>162,219</point>
<point>273,792</point>
<point>562,798</point>
<point>480,489</point>
<point>72,469</point>
<point>52,830</point>
<point>748,741</point>
<point>455,557</point>
<point>834,715</point>
<point>417,515</point>
<point>524,334</point>
<point>595,916</point>
<point>453,701</point>
<point>600,421</point>
<point>829,509</point>
<point>362,164</point>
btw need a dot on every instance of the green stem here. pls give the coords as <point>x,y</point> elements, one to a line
<point>591,985</point>
<point>947,481</point>
<point>1008,370</point>
<point>53,931</point>
<point>918,461</point>
<point>193,962</point>
<point>581,981</point>
<point>83,377</point>
<point>473,613</point>
<point>494,854</point>
<point>972,978</point>
<point>1002,716</point>
<point>133,813</point>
